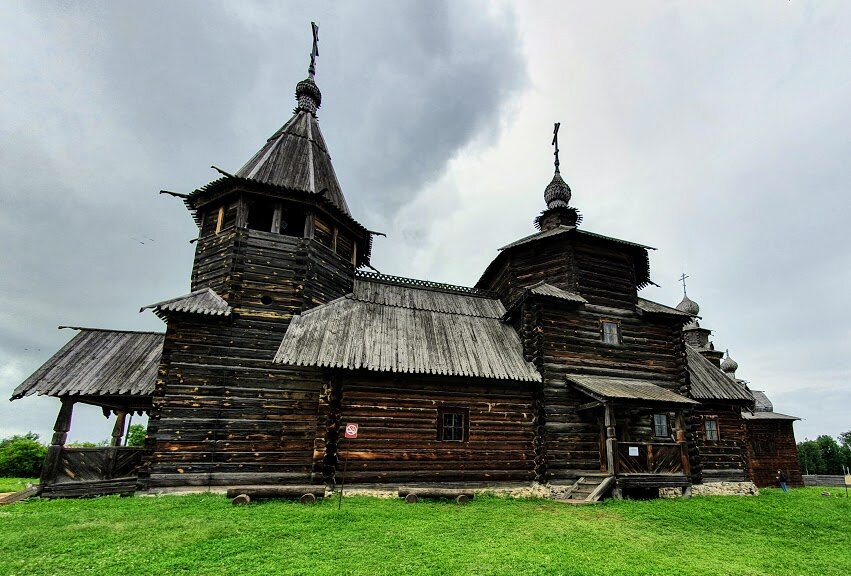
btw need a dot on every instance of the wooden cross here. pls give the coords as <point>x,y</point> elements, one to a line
<point>315,52</point>
<point>683,280</point>
<point>555,142</point>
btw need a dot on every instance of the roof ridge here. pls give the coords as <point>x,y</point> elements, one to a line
<point>424,284</point>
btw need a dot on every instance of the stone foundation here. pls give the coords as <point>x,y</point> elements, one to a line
<point>714,489</point>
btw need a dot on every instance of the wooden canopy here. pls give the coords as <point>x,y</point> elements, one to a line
<point>109,368</point>
<point>630,390</point>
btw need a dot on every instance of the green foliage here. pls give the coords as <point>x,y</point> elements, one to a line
<point>136,435</point>
<point>824,455</point>
<point>845,439</point>
<point>88,444</point>
<point>810,458</point>
<point>799,533</point>
<point>21,455</point>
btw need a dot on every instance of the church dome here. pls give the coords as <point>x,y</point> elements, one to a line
<point>729,365</point>
<point>308,95</point>
<point>557,193</point>
<point>688,306</point>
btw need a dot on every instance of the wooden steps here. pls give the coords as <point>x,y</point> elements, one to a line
<point>123,486</point>
<point>589,488</point>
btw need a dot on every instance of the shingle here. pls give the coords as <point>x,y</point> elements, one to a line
<point>99,362</point>
<point>626,389</point>
<point>203,301</point>
<point>709,383</point>
<point>398,328</point>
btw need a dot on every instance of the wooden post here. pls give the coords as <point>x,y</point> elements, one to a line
<point>611,443</point>
<point>60,436</point>
<point>118,429</point>
<point>681,440</point>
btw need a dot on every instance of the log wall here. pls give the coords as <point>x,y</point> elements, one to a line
<point>724,459</point>
<point>223,413</point>
<point>398,429</point>
<point>562,339</point>
<point>772,447</point>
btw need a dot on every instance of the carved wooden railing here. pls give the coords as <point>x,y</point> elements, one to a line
<point>651,458</point>
<point>91,464</point>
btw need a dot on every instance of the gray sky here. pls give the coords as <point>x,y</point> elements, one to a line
<point>718,132</point>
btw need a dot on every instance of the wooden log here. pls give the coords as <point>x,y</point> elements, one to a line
<point>429,492</point>
<point>411,499</point>
<point>241,500</point>
<point>285,492</point>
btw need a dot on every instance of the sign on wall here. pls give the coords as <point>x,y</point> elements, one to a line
<point>351,430</point>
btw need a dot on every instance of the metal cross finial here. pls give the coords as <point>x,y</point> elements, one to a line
<point>683,280</point>
<point>311,70</point>
<point>555,143</point>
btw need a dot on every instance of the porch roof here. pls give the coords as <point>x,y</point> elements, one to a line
<point>605,388</point>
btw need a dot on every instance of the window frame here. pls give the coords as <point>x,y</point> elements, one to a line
<point>616,323</point>
<point>464,413</point>
<point>667,424</point>
<point>715,431</point>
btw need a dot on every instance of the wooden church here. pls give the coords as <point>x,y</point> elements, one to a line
<point>551,369</point>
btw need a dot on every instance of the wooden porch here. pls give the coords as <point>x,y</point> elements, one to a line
<point>632,448</point>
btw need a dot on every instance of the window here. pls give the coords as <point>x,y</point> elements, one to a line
<point>260,214</point>
<point>660,425</point>
<point>711,427</point>
<point>610,332</point>
<point>452,425</point>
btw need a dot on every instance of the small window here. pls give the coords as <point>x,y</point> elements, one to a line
<point>711,427</point>
<point>260,214</point>
<point>610,332</point>
<point>452,425</point>
<point>660,425</point>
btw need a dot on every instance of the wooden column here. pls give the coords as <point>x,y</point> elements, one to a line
<point>60,436</point>
<point>681,440</point>
<point>118,429</point>
<point>611,443</point>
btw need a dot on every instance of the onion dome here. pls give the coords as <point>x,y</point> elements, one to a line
<point>729,366</point>
<point>308,95</point>
<point>688,306</point>
<point>557,192</point>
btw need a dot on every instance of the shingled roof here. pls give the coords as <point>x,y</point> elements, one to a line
<point>397,327</point>
<point>99,362</point>
<point>626,390</point>
<point>296,157</point>
<point>709,383</point>
<point>204,301</point>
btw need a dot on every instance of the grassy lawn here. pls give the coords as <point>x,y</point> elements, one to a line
<point>796,533</point>
<point>15,484</point>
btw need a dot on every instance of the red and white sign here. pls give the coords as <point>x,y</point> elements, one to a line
<point>351,430</point>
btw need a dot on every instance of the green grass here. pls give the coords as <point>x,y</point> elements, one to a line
<point>15,484</point>
<point>796,533</point>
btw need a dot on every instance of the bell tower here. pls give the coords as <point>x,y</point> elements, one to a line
<point>276,238</point>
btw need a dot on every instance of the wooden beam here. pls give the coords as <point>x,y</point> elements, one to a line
<point>60,435</point>
<point>589,405</point>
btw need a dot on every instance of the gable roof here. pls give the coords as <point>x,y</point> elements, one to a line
<point>709,383</point>
<point>626,389</point>
<point>406,329</point>
<point>99,362</point>
<point>650,307</point>
<point>203,301</point>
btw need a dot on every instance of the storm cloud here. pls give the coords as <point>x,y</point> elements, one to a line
<point>718,133</point>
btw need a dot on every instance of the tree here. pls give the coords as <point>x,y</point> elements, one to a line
<point>809,455</point>
<point>845,439</point>
<point>136,435</point>
<point>21,456</point>
<point>830,453</point>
